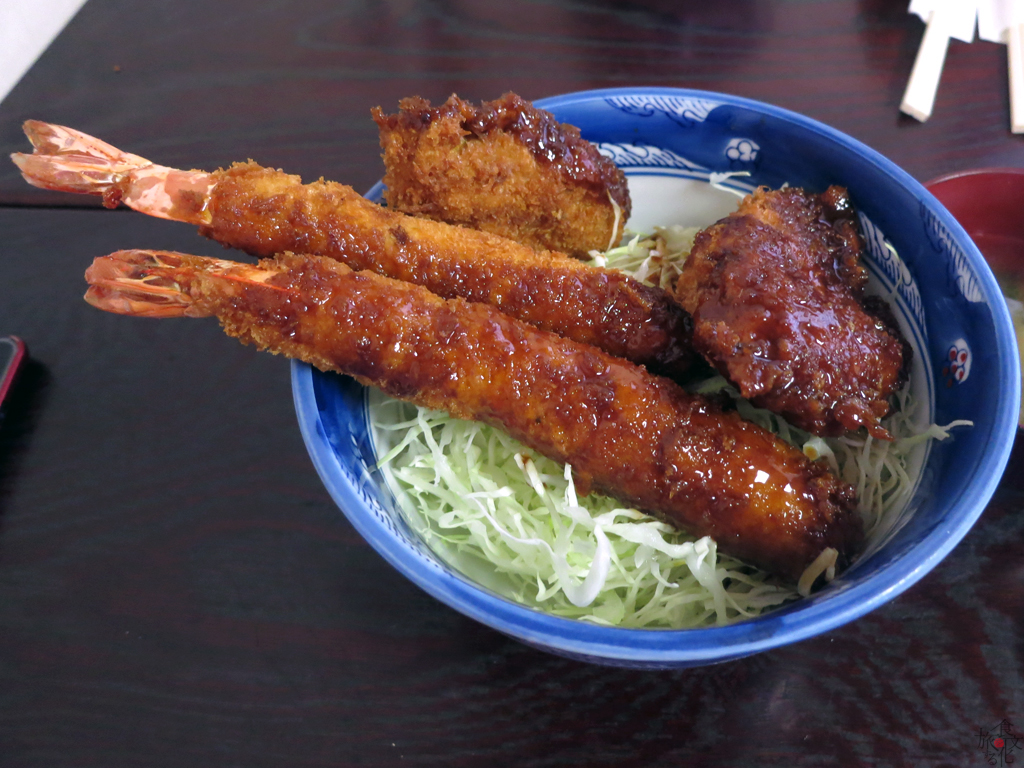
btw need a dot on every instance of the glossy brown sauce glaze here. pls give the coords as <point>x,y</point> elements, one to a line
<point>557,144</point>
<point>639,438</point>
<point>503,167</point>
<point>776,291</point>
<point>264,212</point>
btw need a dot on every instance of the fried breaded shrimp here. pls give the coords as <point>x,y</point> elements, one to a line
<point>776,291</point>
<point>264,212</point>
<point>638,437</point>
<point>504,167</point>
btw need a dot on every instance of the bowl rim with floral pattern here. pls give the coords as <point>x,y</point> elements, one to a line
<point>939,280</point>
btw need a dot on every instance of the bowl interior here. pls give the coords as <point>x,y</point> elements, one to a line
<point>673,144</point>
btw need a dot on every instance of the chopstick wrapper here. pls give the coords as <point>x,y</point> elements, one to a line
<point>945,19</point>
<point>1002,21</point>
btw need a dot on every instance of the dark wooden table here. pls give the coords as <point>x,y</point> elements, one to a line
<point>176,587</point>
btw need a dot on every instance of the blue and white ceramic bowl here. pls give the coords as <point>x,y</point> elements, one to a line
<point>670,142</point>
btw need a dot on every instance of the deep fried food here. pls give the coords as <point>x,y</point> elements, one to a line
<point>504,167</point>
<point>264,212</point>
<point>776,291</point>
<point>637,437</point>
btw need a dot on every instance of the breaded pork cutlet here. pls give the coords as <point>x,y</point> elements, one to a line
<point>776,291</point>
<point>504,167</point>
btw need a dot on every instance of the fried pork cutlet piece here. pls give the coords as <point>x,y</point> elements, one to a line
<point>504,167</point>
<point>638,437</point>
<point>264,212</point>
<point>776,291</point>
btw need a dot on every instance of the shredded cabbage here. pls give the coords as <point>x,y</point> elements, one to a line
<point>473,492</point>
<point>655,260</point>
<point>512,520</point>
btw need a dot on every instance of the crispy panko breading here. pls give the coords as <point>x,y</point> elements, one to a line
<point>264,212</point>
<point>640,438</point>
<point>776,291</point>
<point>504,167</point>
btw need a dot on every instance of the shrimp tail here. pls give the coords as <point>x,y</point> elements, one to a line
<point>140,283</point>
<point>66,160</point>
<point>161,283</point>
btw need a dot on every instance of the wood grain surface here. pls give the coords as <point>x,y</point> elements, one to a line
<point>176,586</point>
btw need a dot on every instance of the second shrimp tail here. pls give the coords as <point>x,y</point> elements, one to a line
<point>161,283</point>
